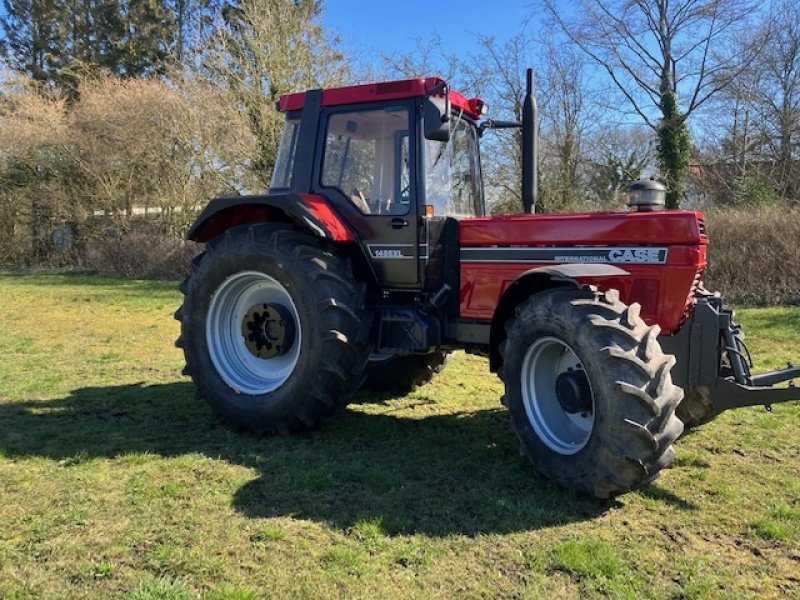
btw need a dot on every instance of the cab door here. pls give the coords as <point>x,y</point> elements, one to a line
<point>367,169</point>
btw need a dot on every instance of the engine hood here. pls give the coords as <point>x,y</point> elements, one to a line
<point>669,227</point>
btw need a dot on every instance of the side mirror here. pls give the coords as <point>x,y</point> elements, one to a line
<point>436,116</point>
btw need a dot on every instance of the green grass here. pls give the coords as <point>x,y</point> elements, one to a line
<point>115,482</point>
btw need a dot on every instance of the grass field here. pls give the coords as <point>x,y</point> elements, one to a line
<point>114,481</point>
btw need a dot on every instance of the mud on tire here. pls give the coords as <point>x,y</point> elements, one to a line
<point>696,408</point>
<point>621,436</point>
<point>257,287</point>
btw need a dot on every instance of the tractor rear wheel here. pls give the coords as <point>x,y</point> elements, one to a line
<point>273,329</point>
<point>402,374</point>
<point>589,391</point>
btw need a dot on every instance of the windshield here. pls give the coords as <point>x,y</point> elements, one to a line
<point>452,173</point>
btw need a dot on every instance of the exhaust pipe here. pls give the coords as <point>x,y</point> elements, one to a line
<point>530,147</point>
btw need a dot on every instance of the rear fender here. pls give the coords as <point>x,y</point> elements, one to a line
<point>309,211</point>
<point>535,281</point>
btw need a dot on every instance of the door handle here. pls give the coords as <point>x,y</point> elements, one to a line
<point>398,223</point>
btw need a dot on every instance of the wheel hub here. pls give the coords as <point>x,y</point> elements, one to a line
<point>573,392</point>
<point>268,330</point>
<point>557,395</point>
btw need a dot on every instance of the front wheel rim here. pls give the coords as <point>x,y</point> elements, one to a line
<point>564,432</point>
<point>228,349</point>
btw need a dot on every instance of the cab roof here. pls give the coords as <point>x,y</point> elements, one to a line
<point>377,92</point>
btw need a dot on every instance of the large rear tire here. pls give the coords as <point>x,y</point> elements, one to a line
<point>589,391</point>
<point>402,374</point>
<point>273,329</point>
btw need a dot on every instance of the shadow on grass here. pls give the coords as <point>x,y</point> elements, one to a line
<point>438,475</point>
<point>656,492</point>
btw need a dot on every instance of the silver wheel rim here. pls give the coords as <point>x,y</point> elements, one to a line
<point>563,432</point>
<point>238,367</point>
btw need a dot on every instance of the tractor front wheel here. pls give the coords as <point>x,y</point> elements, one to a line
<point>273,328</point>
<point>589,391</point>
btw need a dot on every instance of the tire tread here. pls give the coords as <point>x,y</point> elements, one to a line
<point>341,305</point>
<point>644,426</point>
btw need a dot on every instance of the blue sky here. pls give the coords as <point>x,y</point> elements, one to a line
<point>380,27</point>
<point>376,27</point>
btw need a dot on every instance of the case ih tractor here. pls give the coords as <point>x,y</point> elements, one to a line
<point>371,258</point>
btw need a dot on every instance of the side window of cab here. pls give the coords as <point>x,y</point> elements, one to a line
<point>367,159</point>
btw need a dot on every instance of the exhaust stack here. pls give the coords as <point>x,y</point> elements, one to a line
<point>530,147</point>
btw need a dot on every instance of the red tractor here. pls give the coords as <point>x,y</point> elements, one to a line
<point>371,258</point>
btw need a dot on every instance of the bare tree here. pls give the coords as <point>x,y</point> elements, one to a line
<point>568,115</point>
<point>731,143</point>
<point>499,75</point>
<point>751,149</point>
<point>666,57</point>
<point>265,48</point>
<point>617,155</point>
<point>780,96</point>
<point>428,59</point>
<point>33,133</point>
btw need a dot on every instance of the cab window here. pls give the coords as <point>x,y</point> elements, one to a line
<point>284,162</point>
<point>367,159</point>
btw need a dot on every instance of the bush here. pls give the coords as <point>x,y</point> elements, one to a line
<point>126,148</point>
<point>141,256</point>
<point>754,256</point>
<point>753,190</point>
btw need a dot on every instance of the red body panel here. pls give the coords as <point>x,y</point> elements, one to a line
<point>663,290</point>
<point>585,229</point>
<point>336,227</point>
<point>374,92</point>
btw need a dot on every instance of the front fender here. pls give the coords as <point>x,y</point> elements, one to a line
<point>537,280</point>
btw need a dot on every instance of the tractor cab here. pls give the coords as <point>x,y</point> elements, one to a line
<point>396,160</point>
<point>367,156</point>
